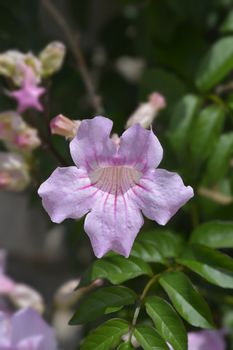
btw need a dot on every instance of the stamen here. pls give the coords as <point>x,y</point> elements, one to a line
<point>116,179</point>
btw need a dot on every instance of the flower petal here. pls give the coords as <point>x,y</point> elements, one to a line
<point>160,194</point>
<point>92,145</point>
<point>28,323</point>
<point>140,148</point>
<point>113,224</point>
<point>68,193</point>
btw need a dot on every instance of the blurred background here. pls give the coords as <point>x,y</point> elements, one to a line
<point>131,48</point>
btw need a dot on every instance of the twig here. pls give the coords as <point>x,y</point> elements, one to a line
<point>74,44</point>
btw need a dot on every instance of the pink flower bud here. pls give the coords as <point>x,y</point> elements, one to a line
<point>116,139</point>
<point>52,58</point>
<point>146,112</point>
<point>16,134</point>
<point>157,100</point>
<point>28,139</point>
<point>63,126</point>
<point>5,179</point>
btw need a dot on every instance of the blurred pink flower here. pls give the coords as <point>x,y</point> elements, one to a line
<point>114,184</point>
<point>205,340</point>
<point>28,95</point>
<point>25,330</point>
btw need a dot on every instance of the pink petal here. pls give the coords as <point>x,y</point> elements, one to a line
<point>160,194</point>
<point>140,148</point>
<point>28,323</point>
<point>4,331</point>
<point>92,145</point>
<point>6,285</point>
<point>68,193</point>
<point>113,224</point>
<point>32,343</point>
<point>206,340</point>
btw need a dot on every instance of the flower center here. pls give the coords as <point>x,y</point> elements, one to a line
<point>115,179</point>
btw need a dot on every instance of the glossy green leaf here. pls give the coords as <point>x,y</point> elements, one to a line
<point>215,267</point>
<point>98,302</point>
<point>106,336</point>
<point>167,322</point>
<point>157,246</point>
<point>219,160</point>
<point>117,269</point>
<point>182,121</point>
<point>216,64</point>
<point>205,132</point>
<point>125,346</point>
<point>187,301</point>
<point>149,339</point>
<point>214,234</point>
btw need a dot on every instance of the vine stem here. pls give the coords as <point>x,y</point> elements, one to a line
<point>150,283</point>
<point>74,44</point>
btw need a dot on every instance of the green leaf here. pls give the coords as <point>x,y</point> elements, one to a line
<point>106,336</point>
<point>157,246</point>
<point>215,267</point>
<point>205,132</point>
<point>97,303</point>
<point>182,121</point>
<point>214,234</point>
<point>187,301</point>
<point>149,339</point>
<point>216,64</point>
<point>125,346</point>
<point>219,161</point>
<point>116,269</point>
<point>167,322</point>
<point>227,25</point>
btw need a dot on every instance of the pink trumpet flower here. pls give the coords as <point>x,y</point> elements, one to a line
<point>113,184</point>
<point>25,330</point>
<point>29,94</point>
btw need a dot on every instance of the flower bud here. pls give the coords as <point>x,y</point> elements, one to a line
<point>146,112</point>
<point>11,62</point>
<point>28,139</point>
<point>68,294</point>
<point>52,58</point>
<point>116,139</point>
<point>23,296</point>
<point>16,134</point>
<point>13,172</point>
<point>63,126</point>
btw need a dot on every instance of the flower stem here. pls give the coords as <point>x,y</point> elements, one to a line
<point>73,41</point>
<point>150,283</point>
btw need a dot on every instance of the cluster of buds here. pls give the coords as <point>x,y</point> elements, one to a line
<point>14,174</point>
<point>20,140</point>
<point>26,71</point>
<point>16,134</point>
<point>44,65</point>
